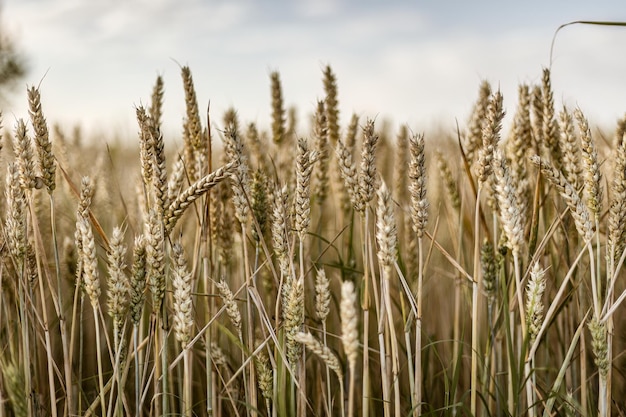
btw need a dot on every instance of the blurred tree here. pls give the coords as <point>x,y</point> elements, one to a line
<point>12,63</point>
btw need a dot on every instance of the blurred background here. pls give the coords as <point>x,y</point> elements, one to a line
<point>402,61</point>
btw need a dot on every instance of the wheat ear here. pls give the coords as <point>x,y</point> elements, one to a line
<point>278,109</point>
<point>47,163</point>
<point>350,335</point>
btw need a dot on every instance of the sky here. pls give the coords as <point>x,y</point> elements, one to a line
<point>409,62</point>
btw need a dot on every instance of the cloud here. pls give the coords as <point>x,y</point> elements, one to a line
<point>393,60</point>
<point>317,8</point>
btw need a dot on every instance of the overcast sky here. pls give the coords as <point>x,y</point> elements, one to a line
<point>411,62</point>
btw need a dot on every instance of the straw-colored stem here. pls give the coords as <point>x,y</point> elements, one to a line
<point>26,352</point>
<point>365,306</point>
<point>329,402</point>
<point>164,359</point>
<point>209,285</point>
<point>187,383</point>
<point>67,365</point>
<point>138,366</point>
<point>418,329</point>
<point>475,291</point>
<point>351,391</point>
<point>45,323</point>
<point>250,385</point>
<point>395,366</point>
<point>302,400</point>
<point>99,359</point>
<point>383,364</point>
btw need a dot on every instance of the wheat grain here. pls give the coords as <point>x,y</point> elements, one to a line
<point>240,177</point>
<point>518,145</point>
<point>231,306</point>
<point>549,126</point>
<point>490,136</point>
<point>617,210</point>
<point>192,193</point>
<point>534,304</point>
<point>592,174</point>
<point>264,371</point>
<point>349,322</point>
<point>25,159</point>
<point>367,175</point>
<point>321,134</point>
<point>280,232</point>
<point>580,212</point>
<point>183,304</point>
<point>156,102</point>
<point>118,283</point>
<point>349,174</point>
<point>193,127</point>
<point>146,146</point>
<point>259,203</point>
<point>176,180</point>
<point>137,291</point>
<point>47,163</point>
<point>278,111</point>
<point>89,262</point>
<point>304,168</point>
<point>599,345</point>
<point>417,184</point>
<point>15,222</point>
<point>155,258</point>
<point>331,104</point>
<point>322,295</point>
<point>489,269</point>
<point>571,150</point>
<point>293,316</point>
<point>159,169</point>
<point>474,138</point>
<point>386,229</point>
<point>327,355</point>
<point>511,215</point>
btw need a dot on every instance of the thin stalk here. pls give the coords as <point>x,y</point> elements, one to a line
<point>25,339</point>
<point>137,371</point>
<point>81,343</point>
<point>187,383</point>
<point>208,334</point>
<point>164,360</point>
<point>456,332</point>
<point>155,331</point>
<point>351,392</point>
<point>67,364</point>
<point>99,358</point>
<point>207,270</point>
<point>329,402</point>
<point>395,368</point>
<point>475,291</point>
<point>44,315</point>
<point>383,362</point>
<point>604,395</point>
<point>530,394</point>
<point>118,377</point>
<point>418,329</point>
<point>250,385</point>
<point>365,306</point>
<point>302,400</point>
<point>583,374</point>
<point>408,322</point>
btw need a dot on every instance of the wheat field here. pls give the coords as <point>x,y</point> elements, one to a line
<point>330,268</point>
